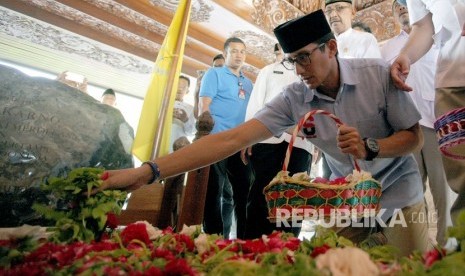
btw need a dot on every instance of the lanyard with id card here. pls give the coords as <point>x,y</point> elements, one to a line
<point>241,91</point>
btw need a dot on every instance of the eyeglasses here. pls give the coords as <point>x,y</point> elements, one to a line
<point>302,59</point>
<point>338,9</point>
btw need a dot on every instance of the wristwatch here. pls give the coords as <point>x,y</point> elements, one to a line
<point>372,148</point>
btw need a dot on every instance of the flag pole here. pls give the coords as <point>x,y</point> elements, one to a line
<point>168,90</point>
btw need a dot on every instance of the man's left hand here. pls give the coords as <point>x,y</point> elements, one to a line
<point>245,153</point>
<point>350,142</point>
<point>180,114</point>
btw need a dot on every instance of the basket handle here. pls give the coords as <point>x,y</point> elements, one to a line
<point>299,126</point>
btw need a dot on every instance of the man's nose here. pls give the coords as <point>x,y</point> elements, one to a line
<point>299,68</point>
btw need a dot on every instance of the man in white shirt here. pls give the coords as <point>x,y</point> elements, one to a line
<point>183,114</point>
<point>267,157</point>
<point>442,22</point>
<point>351,43</point>
<point>421,79</point>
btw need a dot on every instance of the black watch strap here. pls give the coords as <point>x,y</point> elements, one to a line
<point>372,148</point>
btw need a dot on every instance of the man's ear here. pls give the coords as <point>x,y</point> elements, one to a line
<point>332,46</point>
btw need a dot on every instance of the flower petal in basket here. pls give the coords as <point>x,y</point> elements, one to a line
<point>359,195</point>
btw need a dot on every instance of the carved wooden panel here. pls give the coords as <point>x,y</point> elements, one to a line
<point>380,20</point>
<point>270,13</point>
<point>307,6</point>
<point>377,14</point>
<point>363,4</point>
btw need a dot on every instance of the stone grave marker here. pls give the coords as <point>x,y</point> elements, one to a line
<point>46,129</point>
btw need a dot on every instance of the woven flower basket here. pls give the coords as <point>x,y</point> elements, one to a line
<point>358,194</point>
<point>450,131</point>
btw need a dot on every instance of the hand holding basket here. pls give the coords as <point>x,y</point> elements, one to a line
<point>358,194</point>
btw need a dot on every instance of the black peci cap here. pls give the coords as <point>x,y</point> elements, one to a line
<point>299,32</point>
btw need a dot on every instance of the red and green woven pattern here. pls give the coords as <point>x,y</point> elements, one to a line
<point>363,196</point>
<point>450,131</point>
<point>301,195</point>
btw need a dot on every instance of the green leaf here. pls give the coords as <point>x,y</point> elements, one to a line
<point>85,215</point>
<point>384,253</point>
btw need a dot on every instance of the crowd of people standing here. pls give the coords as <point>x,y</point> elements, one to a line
<point>332,67</point>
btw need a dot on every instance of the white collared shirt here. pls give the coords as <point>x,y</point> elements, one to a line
<point>448,20</point>
<point>357,44</point>
<point>270,82</point>
<point>179,128</point>
<point>420,78</point>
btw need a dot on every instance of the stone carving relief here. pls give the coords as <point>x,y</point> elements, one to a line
<point>307,6</point>
<point>377,14</point>
<point>380,20</point>
<point>270,13</point>
<point>363,4</point>
<point>87,21</point>
<point>257,45</point>
<point>200,10</point>
<point>26,28</point>
<point>266,14</point>
<point>129,15</point>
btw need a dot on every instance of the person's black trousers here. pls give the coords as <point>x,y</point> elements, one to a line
<point>267,160</point>
<point>230,171</point>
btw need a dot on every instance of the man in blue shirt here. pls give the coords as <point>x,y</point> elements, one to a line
<point>225,92</point>
<point>380,129</point>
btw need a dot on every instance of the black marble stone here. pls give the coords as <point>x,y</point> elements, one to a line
<point>46,129</point>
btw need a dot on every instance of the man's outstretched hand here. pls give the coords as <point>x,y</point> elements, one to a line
<point>125,179</point>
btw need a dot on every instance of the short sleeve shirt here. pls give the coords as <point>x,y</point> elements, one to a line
<point>357,44</point>
<point>448,17</point>
<point>420,78</point>
<point>230,95</point>
<point>368,101</point>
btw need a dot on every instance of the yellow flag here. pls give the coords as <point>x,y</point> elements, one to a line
<point>157,111</point>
